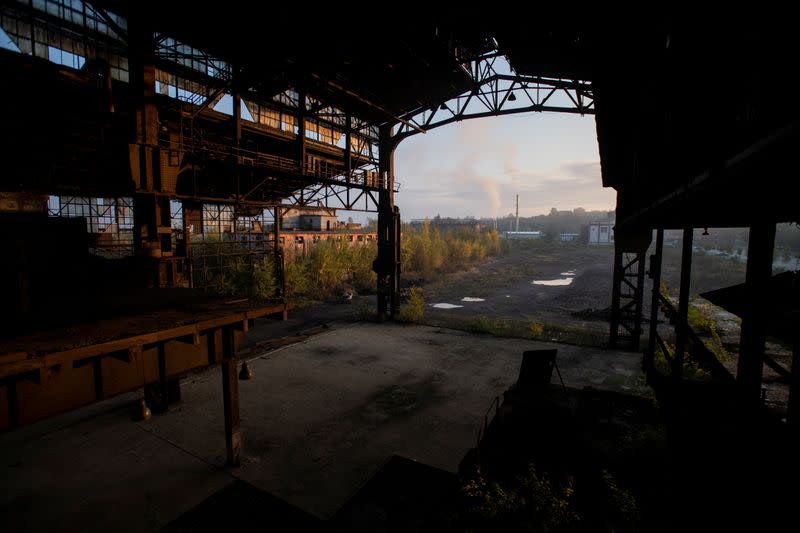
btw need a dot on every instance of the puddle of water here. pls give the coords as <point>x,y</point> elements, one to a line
<point>446,306</point>
<point>471,299</point>
<point>552,282</point>
<point>568,273</point>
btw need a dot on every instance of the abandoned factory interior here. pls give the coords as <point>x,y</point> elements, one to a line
<point>213,286</point>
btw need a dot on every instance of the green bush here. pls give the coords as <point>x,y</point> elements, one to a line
<point>414,310</point>
<point>329,268</point>
<point>532,502</point>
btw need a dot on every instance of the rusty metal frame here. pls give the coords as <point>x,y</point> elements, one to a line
<point>148,358</point>
<point>345,196</point>
<point>497,91</point>
<point>28,19</point>
<point>119,210</point>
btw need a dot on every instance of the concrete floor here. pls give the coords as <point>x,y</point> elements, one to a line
<point>318,419</point>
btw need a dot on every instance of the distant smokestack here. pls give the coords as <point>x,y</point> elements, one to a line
<point>517,213</point>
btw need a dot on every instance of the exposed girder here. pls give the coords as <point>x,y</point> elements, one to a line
<point>500,91</point>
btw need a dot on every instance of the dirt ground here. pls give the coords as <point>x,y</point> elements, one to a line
<point>505,283</point>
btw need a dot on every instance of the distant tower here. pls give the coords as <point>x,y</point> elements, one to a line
<point>517,213</point>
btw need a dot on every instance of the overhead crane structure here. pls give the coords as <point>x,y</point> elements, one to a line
<point>163,104</point>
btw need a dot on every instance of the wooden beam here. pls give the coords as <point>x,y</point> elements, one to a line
<point>18,365</point>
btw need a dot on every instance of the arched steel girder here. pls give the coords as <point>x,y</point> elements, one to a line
<point>496,94</point>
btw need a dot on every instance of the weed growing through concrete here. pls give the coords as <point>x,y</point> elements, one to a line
<point>414,310</point>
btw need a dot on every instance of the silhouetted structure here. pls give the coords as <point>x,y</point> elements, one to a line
<point>135,106</point>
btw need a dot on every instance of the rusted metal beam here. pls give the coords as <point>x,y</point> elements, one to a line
<point>754,319</point>
<point>387,264</point>
<point>230,398</point>
<point>280,274</point>
<point>701,353</point>
<point>335,86</point>
<point>212,99</point>
<point>107,19</point>
<point>793,409</point>
<point>616,289</point>
<point>35,363</point>
<point>682,324</point>
<point>655,276</point>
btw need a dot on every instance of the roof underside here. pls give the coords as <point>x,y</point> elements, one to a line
<point>676,94</point>
<point>377,73</point>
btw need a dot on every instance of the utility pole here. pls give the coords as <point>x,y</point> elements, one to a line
<point>517,213</point>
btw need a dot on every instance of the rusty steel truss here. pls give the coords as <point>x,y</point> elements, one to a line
<point>497,90</point>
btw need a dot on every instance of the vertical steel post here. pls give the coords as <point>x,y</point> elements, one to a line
<point>237,132</point>
<point>638,300</point>
<point>754,319</point>
<point>348,148</point>
<point>192,215</point>
<point>613,338</point>
<point>387,264</point>
<point>793,409</point>
<point>655,275</point>
<point>280,275</point>
<point>230,398</point>
<point>301,132</point>
<point>682,324</point>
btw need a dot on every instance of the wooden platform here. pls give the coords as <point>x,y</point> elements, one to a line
<point>65,367</point>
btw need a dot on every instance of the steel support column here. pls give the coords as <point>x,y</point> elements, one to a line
<point>192,223</point>
<point>237,131</point>
<point>280,276</point>
<point>616,289</point>
<point>301,132</point>
<point>682,324</point>
<point>655,276</point>
<point>387,265</point>
<point>793,408</point>
<point>628,289</point>
<point>348,148</point>
<point>230,398</point>
<point>754,319</point>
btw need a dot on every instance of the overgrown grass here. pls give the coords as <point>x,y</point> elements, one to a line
<point>414,310</point>
<point>328,269</point>
<point>691,370</point>
<point>706,326</point>
<point>536,501</point>
<point>528,329</point>
<point>429,252</point>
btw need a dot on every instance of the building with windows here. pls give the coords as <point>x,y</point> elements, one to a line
<point>601,233</point>
<point>319,219</point>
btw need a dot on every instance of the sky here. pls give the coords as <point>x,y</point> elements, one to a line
<point>477,167</point>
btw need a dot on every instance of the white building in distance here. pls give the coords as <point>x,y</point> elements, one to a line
<point>601,233</point>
